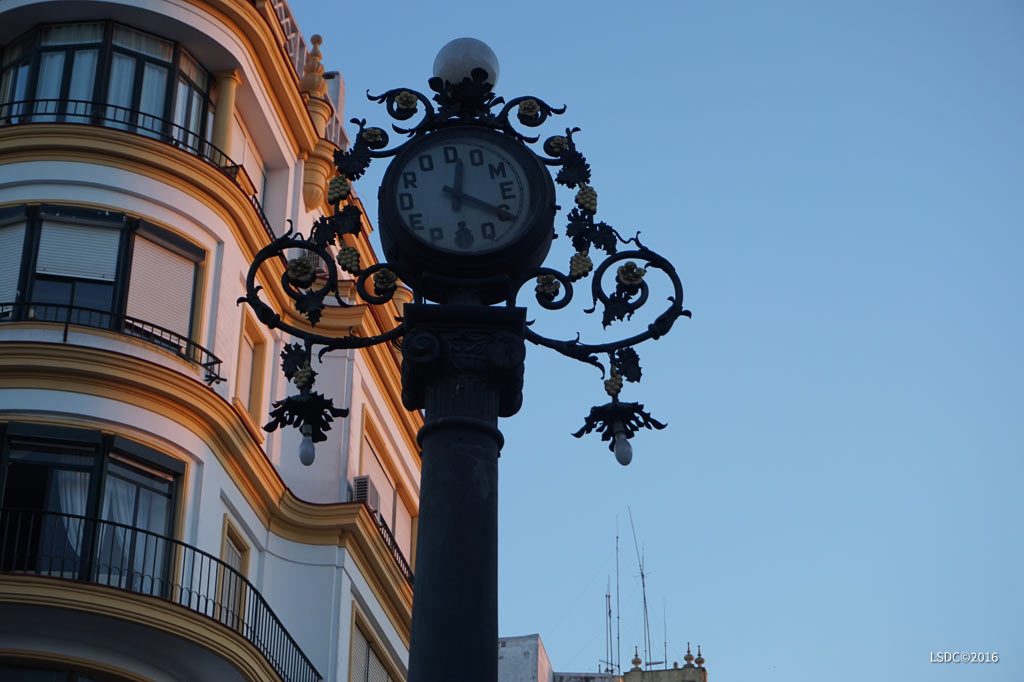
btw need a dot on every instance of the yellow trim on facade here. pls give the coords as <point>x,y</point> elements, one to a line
<point>142,610</point>
<point>164,391</point>
<point>257,27</point>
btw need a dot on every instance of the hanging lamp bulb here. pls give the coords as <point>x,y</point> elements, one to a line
<point>307,451</point>
<point>623,449</point>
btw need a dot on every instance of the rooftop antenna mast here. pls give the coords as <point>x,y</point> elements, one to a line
<point>664,632</point>
<point>643,588</point>
<point>608,662</point>
<point>618,609</point>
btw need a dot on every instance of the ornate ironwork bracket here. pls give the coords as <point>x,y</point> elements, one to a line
<point>619,286</point>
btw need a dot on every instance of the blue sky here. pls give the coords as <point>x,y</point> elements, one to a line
<point>840,185</point>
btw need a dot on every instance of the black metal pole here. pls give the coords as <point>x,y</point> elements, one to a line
<point>464,366</point>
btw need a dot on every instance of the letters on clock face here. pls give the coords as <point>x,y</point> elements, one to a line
<point>463,196</point>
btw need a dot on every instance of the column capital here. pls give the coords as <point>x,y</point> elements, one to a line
<point>469,354</point>
<point>228,75</point>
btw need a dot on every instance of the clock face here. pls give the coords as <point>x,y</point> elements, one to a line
<point>463,194</point>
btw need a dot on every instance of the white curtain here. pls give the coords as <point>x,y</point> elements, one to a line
<point>113,558</point>
<point>60,543</point>
<point>151,104</point>
<point>83,76</point>
<point>119,91</point>
<point>72,34</point>
<point>72,491</point>
<point>51,71</point>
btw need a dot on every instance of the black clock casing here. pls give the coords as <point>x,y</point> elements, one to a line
<point>435,269</point>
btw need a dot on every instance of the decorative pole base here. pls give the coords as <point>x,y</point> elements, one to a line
<point>464,366</point>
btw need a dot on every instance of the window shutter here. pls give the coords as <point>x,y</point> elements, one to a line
<point>160,287</point>
<point>403,529</point>
<point>11,239</point>
<point>360,656</point>
<point>244,390</point>
<point>377,673</point>
<point>74,250</point>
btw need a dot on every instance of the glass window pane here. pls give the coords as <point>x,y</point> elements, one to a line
<point>140,475</point>
<point>52,453</point>
<point>193,71</point>
<point>245,370</point>
<point>72,34</point>
<point>143,43</point>
<point>119,90</point>
<point>7,85</point>
<point>50,298</point>
<point>151,103</point>
<point>14,85</point>
<point>51,72</point>
<point>83,79</point>
<point>94,295</point>
<point>181,109</point>
<point>16,50</point>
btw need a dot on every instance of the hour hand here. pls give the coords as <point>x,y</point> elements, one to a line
<point>500,211</point>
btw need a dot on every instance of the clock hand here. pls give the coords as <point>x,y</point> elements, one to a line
<point>457,195</point>
<point>500,211</point>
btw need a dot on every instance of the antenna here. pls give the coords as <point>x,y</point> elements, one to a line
<point>643,587</point>
<point>609,663</point>
<point>618,610</point>
<point>664,631</point>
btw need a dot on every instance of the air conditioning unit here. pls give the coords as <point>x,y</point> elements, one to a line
<point>364,491</point>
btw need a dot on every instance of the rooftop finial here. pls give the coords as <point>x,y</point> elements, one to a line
<point>688,657</point>
<point>700,659</point>
<point>636,659</point>
<point>313,81</point>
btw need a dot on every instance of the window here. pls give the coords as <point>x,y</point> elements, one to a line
<point>98,269</point>
<point>106,72</point>
<point>252,361</point>
<point>366,664</point>
<point>390,506</point>
<point>12,238</point>
<point>230,584</point>
<point>82,505</point>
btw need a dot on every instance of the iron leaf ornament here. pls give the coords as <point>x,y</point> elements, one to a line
<point>619,282</point>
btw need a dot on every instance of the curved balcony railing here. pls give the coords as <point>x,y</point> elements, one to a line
<point>392,546</point>
<point>72,547</point>
<point>69,315</point>
<point>122,118</point>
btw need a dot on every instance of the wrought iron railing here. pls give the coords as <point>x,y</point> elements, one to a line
<point>392,545</point>
<point>119,556</point>
<point>69,315</point>
<point>122,118</point>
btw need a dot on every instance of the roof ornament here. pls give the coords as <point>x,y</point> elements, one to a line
<point>313,82</point>
<point>700,659</point>
<point>688,657</point>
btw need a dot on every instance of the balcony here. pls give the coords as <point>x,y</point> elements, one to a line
<point>127,559</point>
<point>68,315</point>
<point>84,112</point>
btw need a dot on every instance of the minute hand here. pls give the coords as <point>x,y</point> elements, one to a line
<point>500,211</point>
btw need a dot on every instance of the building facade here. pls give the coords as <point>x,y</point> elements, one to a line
<point>524,659</point>
<point>149,528</point>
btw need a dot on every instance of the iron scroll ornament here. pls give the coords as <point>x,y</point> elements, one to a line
<point>311,278</point>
